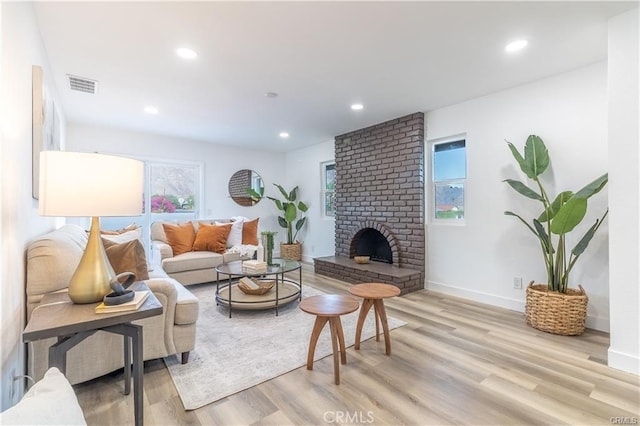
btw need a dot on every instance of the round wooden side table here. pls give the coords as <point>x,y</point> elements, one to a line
<point>328,308</point>
<point>373,295</point>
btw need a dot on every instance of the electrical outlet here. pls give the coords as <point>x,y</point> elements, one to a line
<point>517,283</point>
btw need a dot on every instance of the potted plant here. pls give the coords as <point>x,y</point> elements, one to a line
<point>555,307</point>
<point>267,243</point>
<point>292,220</point>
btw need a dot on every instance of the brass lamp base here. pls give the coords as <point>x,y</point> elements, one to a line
<point>90,282</point>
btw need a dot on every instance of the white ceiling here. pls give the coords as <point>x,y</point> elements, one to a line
<point>320,57</point>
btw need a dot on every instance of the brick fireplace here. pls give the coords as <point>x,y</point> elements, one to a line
<point>380,197</point>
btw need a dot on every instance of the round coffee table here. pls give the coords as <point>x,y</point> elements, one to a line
<point>373,295</point>
<point>285,290</point>
<point>328,308</point>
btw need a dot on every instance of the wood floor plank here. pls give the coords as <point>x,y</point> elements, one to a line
<point>455,362</point>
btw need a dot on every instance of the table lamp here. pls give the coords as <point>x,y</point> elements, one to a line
<point>86,184</point>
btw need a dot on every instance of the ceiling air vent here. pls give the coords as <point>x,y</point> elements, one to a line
<point>81,84</point>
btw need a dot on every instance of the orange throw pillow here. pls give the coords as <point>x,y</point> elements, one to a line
<point>250,232</point>
<point>127,257</point>
<point>180,237</point>
<point>212,238</point>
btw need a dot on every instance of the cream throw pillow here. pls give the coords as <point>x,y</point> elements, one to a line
<point>51,401</point>
<point>235,235</point>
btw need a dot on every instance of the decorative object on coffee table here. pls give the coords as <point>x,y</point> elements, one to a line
<point>267,242</point>
<point>255,287</point>
<point>103,185</point>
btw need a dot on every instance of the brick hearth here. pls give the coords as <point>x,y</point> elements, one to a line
<point>380,185</point>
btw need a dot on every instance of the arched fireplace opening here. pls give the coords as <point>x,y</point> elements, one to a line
<point>370,242</point>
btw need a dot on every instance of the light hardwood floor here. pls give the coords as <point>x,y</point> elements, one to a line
<point>455,362</point>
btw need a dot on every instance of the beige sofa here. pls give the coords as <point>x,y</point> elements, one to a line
<point>52,259</point>
<point>194,267</point>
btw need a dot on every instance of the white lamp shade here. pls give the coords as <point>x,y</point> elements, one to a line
<point>86,184</point>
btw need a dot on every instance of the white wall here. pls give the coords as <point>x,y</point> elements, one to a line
<point>220,163</point>
<point>624,240</point>
<point>480,260</point>
<point>21,48</point>
<point>303,170</point>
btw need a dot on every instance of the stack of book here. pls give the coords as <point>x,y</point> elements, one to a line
<point>132,305</point>
<point>254,265</point>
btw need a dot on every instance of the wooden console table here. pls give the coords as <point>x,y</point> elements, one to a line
<point>57,316</point>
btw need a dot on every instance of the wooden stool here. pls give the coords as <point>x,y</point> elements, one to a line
<point>373,295</point>
<point>328,308</point>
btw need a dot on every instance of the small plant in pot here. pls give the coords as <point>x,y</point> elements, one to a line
<point>555,307</point>
<point>292,220</point>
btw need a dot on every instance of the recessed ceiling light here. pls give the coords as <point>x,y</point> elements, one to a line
<point>186,53</point>
<point>151,110</point>
<point>284,135</point>
<point>357,107</point>
<point>515,46</point>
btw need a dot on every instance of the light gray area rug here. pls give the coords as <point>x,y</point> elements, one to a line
<point>233,354</point>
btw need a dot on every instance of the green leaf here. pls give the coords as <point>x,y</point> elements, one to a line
<point>277,202</point>
<point>585,240</point>
<point>302,206</point>
<point>536,156</point>
<point>542,234</point>
<point>282,191</point>
<point>282,222</point>
<point>569,216</point>
<point>290,212</point>
<point>523,165</point>
<point>293,194</point>
<point>594,187</point>
<point>300,223</point>
<point>562,198</point>
<point>524,189</point>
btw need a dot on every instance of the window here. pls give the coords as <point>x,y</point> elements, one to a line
<point>449,162</point>
<point>328,188</point>
<point>173,192</point>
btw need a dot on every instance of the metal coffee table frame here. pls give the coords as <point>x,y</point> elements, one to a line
<point>234,271</point>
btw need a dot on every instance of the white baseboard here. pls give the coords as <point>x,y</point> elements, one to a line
<point>623,361</point>
<point>593,322</point>
<point>489,299</point>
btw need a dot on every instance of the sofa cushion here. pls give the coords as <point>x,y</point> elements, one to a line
<point>212,238</point>
<point>250,232</point>
<point>193,260</point>
<point>127,257</point>
<point>180,237</point>
<point>186,306</point>
<point>52,259</point>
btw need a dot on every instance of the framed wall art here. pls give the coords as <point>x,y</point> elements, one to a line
<point>45,125</point>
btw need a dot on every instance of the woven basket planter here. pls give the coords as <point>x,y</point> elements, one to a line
<point>291,251</point>
<point>554,312</point>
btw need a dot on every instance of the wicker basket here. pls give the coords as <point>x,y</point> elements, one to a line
<point>265,286</point>
<point>291,251</point>
<point>557,313</point>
